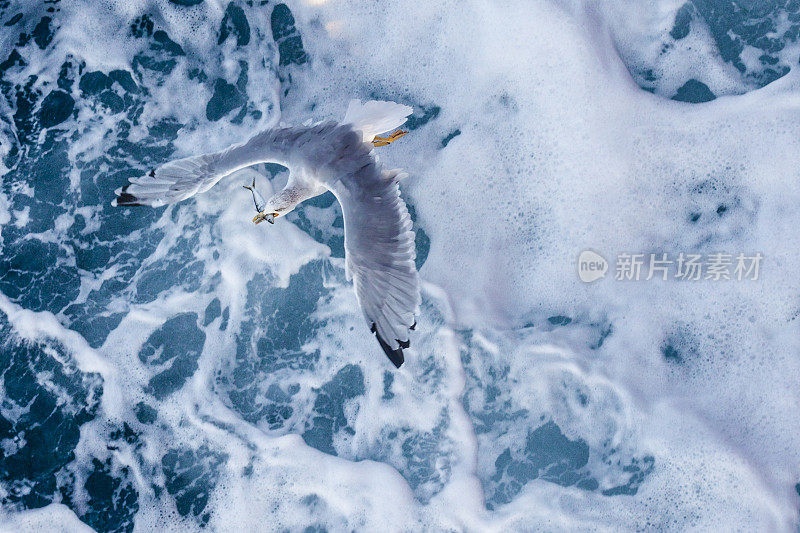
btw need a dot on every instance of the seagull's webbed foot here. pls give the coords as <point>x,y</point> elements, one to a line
<point>384,141</point>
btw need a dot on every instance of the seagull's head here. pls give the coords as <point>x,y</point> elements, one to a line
<point>279,205</point>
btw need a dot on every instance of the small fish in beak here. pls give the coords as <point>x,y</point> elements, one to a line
<point>260,203</point>
<point>269,217</point>
<point>257,198</point>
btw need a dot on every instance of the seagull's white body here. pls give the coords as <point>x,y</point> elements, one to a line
<point>330,156</point>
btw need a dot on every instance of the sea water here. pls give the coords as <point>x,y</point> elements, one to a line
<point>180,368</point>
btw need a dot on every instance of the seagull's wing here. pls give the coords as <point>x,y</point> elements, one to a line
<point>170,183</point>
<point>180,179</point>
<point>379,244</point>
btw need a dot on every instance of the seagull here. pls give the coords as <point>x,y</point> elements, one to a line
<point>328,156</point>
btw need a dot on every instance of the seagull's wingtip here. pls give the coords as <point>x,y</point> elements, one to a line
<point>124,198</point>
<point>394,355</point>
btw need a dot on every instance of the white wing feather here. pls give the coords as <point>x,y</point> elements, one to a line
<point>172,182</point>
<point>379,243</point>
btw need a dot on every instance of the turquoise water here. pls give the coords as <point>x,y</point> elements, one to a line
<point>179,367</point>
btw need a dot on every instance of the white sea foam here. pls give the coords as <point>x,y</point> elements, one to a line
<point>55,518</point>
<point>559,151</point>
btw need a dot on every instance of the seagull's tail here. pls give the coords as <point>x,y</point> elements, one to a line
<point>375,117</point>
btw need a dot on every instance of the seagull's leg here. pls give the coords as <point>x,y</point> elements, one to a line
<point>383,141</point>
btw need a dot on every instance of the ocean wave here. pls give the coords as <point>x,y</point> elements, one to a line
<point>181,368</point>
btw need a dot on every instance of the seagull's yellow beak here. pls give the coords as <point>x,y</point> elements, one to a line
<point>269,217</point>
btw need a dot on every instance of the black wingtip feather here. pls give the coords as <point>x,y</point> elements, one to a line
<point>395,356</point>
<point>126,198</point>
